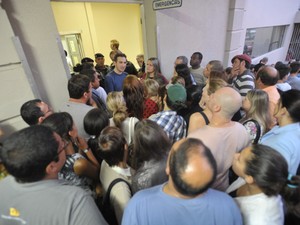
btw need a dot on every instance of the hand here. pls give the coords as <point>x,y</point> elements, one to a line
<point>81,142</point>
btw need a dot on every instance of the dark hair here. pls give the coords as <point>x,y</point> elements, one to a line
<point>183,71</point>
<point>30,112</point>
<point>90,73</point>
<point>119,55</point>
<point>295,67</point>
<point>291,101</point>
<point>26,153</point>
<point>283,70</point>
<point>133,91</point>
<point>78,85</point>
<point>194,94</point>
<point>199,54</point>
<point>179,161</point>
<point>150,142</point>
<point>94,122</point>
<point>87,60</point>
<point>111,145</point>
<point>269,170</point>
<point>162,91</point>
<point>61,123</point>
<point>265,77</point>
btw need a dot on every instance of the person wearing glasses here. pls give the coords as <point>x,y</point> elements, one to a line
<point>32,194</point>
<point>81,167</point>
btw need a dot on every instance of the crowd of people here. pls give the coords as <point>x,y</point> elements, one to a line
<point>209,146</point>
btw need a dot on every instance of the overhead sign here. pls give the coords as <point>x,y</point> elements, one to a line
<point>166,4</point>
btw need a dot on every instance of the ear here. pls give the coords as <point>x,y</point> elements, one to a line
<point>52,169</point>
<point>41,119</point>
<point>249,179</point>
<point>168,166</point>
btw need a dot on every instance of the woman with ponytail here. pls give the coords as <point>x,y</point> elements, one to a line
<point>265,191</point>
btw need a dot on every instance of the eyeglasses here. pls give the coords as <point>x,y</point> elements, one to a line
<point>66,143</point>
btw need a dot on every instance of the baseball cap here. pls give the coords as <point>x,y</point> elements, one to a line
<point>176,93</point>
<point>87,60</point>
<point>243,57</point>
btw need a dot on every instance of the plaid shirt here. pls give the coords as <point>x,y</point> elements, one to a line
<point>173,124</point>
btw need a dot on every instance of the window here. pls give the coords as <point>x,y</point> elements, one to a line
<point>259,41</point>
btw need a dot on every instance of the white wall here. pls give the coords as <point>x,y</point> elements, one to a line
<point>197,25</point>
<point>272,13</point>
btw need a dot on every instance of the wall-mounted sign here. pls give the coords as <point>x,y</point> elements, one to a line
<point>166,4</point>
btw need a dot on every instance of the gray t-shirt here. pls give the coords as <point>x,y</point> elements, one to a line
<point>78,112</point>
<point>46,202</point>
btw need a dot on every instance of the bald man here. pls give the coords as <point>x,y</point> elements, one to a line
<point>266,80</point>
<point>186,198</point>
<point>222,136</point>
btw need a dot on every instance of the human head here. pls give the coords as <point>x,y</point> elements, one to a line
<point>196,59</point>
<point>93,76</point>
<point>114,44</point>
<point>35,111</point>
<point>289,103</point>
<point>117,107</point>
<point>295,67</point>
<point>140,59</point>
<point>94,122</point>
<point>211,87</point>
<point>194,94</point>
<point>61,123</point>
<point>266,76</point>
<point>261,165</point>
<point>79,86</point>
<point>191,167</point>
<point>283,71</point>
<point>99,59</point>
<point>176,97</point>
<point>32,154</point>
<point>151,88</point>
<point>120,63</point>
<point>87,60</point>
<point>112,145</point>
<point>225,101</point>
<point>240,63</point>
<point>181,60</point>
<point>183,71</point>
<point>150,142</point>
<point>153,65</point>
<point>213,65</point>
<point>264,60</point>
<point>133,92</point>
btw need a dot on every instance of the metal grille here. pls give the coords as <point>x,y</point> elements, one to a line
<point>294,48</point>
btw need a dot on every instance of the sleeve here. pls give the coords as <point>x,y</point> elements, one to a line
<point>85,211</point>
<point>130,214</point>
<point>109,86</point>
<point>251,129</point>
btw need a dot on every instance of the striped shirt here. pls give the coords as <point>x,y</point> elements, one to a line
<point>244,82</point>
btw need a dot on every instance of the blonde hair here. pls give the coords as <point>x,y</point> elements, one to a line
<point>115,43</point>
<point>117,107</point>
<point>259,109</point>
<point>151,88</point>
<point>214,84</point>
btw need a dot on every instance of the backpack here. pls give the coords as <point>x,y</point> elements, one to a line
<point>105,206</point>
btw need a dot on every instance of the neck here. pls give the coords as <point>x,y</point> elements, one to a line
<point>219,122</point>
<point>169,189</point>
<point>248,190</point>
<point>152,74</point>
<point>117,71</point>
<point>195,67</point>
<point>285,120</point>
<point>80,100</point>
<point>122,165</point>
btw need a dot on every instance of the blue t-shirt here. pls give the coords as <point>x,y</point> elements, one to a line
<point>285,140</point>
<point>152,207</point>
<point>114,81</point>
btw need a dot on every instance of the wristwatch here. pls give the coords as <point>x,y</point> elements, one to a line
<point>85,150</point>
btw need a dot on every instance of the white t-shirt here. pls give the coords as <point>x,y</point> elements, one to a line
<point>258,209</point>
